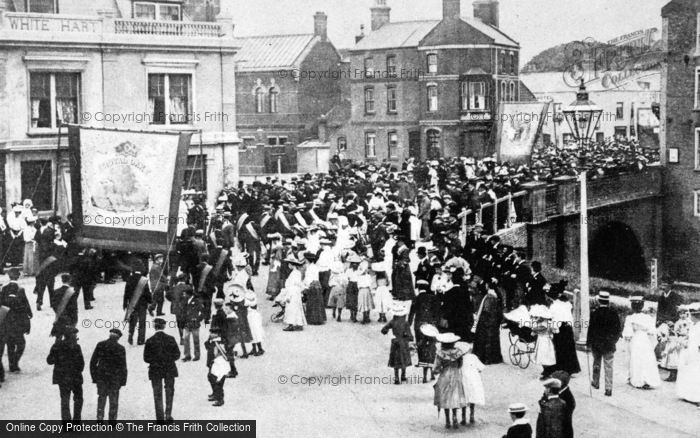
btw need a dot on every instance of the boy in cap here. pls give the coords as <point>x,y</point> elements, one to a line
<point>550,422</point>
<point>521,426</point>
<point>108,371</point>
<point>218,365</point>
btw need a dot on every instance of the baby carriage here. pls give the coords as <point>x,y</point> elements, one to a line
<point>522,339</point>
<point>277,316</point>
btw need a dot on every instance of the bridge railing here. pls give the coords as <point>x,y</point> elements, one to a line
<point>498,215</point>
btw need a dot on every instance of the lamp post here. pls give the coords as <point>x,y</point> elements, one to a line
<point>582,117</point>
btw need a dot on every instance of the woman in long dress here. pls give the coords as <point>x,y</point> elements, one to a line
<point>564,342</point>
<point>449,388</point>
<point>29,262</point>
<point>487,342</point>
<point>291,295</point>
<point>688,383</point>
<point>274,281</point>
<point>545,330</point>
<point>640,334</point>
<point>315,307</point>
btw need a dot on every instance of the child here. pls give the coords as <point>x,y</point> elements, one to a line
<point>338,282</point>
<point>352,291</point>
<point>544,351</point>
<point>364,294</point>
<point>255,323</point>
<point>449,389</point>
<point>400,354</point>
<point>521,426</point>
<point>382,294</point>
<point>218,367</point>
<point>471,377</point>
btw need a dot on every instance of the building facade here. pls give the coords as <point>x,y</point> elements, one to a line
<point>284,84</point>
<point>680,138</point>
<point>142,65</point>
<point>429,88</point>
<point>629,100</point>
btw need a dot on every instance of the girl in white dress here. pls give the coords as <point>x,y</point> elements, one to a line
<point>255,323</point>
<point>688,383</point>
<point>471,378</point>
<point>291,295</point>
<point>640,334</point>
<point>382,295</point>
<point>544,350</point>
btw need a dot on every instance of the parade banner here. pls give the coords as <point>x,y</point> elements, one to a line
<point>140,286</point>
<point>518,125</point>
<point>64,302</point>
<point>126,187</point>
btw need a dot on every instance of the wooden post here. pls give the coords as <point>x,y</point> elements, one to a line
<point>495,216</point>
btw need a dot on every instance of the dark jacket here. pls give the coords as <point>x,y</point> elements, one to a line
<point>458,310</point>
<point>17,321</point>
<point>568,397</point>
<point>550,422</point>
<point>519,431</point>
<point>70,313</point>
<point>604,330</point>
<point>160,353</point>
<point>668,307</point>
<point>191,312</point>
<point>130,287</point>
<point>68,362</point>
<point>108,364</point>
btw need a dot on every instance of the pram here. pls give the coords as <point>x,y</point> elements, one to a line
<point>523,341</point>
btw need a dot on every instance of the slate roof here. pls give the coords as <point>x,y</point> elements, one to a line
<point>272,52</point>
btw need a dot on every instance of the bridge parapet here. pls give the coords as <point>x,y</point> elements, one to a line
<point>562,196</point>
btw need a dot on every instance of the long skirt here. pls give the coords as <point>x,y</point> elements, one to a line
<point>323,278</point>
<point>364,300</point>
<point>337,297</point>
<point>643,369</point>
<point>400,354</point>
<point>688,383</point>
<point>487,342</point>
<point>565,350</point>
<point>449,389</point>
<point>351,295</point>
<point>256,326</point>
<point>29,264</point>
<point>274,284</point>
<point>315,307</point>
<point>383,300</point>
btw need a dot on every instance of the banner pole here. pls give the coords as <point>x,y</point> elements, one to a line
<point>58,160</point>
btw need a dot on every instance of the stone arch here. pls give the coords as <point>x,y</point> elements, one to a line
<point>616,253</point>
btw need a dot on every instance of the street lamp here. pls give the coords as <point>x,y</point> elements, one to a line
<point>582,116</point>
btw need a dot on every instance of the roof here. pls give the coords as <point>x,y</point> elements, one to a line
<point>555,82</point>
<point>405,34</point>
<point>272,52</point>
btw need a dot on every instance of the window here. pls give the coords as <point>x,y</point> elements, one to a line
<point>196,173</point>
<point>513,94</point>
<point>620,132</point>
<point>274,99</point>
<point>633,127</point>
<point>600,137</point>
<point>53,99</point>
<point>504,92</point>
<point>697,87</point>
<point>279,140</point>
<point>393,142</point>
<point>620,111</point>
<point>37,183</point>
<point>697,148</point>
<point>369,100</point>
<point>433,142</point>
<point>169,98</point>
<point>432,98</point>
<point>342,144</point>
<point>370,144</point>
<point>369,67</point>
<point>156,11</point>
<point>568,138</point>
<point>391,99</point>
<point>432,63</point>
<point>696,203</point>
<point>391,66</point>
<point>259,100</point>
<point>42,6</point>
<point>512,63</point>
<point>474,96</point>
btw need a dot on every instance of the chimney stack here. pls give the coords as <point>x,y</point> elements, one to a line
<point>381,14</point>
<point>359,37</point>
<point>321,25</point>
<point>451,9</point>
<point>323,129</point>
<point>486,11</point>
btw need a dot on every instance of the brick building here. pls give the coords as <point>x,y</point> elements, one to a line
<point>680,136</point>
<point>144,65</point>
<point>429,88</point>
<point>281,93</point>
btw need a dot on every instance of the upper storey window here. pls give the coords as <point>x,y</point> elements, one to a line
<point>157,11</point>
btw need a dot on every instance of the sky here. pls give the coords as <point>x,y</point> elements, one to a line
<point>535,24</point>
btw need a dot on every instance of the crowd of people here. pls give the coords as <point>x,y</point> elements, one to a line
<point>361,242</point>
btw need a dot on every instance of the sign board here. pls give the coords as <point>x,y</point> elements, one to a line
<point>518,126</point>
<point>126,187</point>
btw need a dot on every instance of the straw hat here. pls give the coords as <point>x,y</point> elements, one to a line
<point>447,338</point>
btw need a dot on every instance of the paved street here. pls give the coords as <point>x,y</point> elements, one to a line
<point>334,351</point>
